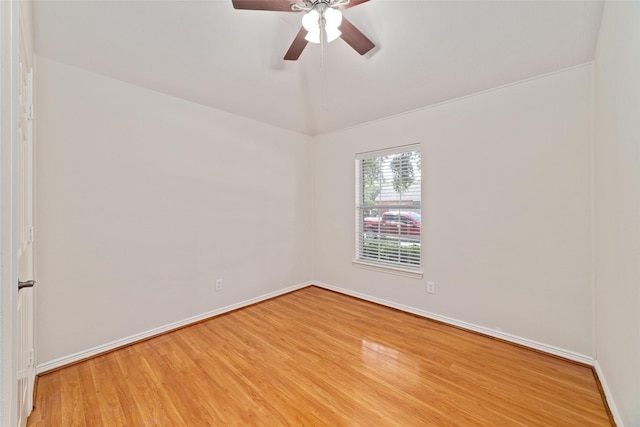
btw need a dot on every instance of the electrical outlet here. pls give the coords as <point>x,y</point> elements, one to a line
<point>431,287</point>
<point>218,284</point>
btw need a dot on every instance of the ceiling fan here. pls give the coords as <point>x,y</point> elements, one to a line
<point>322,19</point>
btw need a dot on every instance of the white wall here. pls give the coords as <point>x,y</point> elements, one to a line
<point>144,199</point>
<point>617,203</point>
<point>506,210</point>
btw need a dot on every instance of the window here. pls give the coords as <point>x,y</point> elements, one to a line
<point>388,209</point>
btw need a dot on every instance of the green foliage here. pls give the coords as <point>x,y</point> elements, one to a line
<point>402,169</point>
<point>373,179</point>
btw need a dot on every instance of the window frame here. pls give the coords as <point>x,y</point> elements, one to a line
<point>398,268</point>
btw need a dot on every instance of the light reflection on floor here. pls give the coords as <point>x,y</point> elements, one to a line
<point>386,360</point>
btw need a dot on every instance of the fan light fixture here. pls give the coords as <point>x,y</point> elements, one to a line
<point>314,22</point>
<point>322,20</point>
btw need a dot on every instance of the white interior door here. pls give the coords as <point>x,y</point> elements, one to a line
<point>24,212</point>
<point>16,212</point>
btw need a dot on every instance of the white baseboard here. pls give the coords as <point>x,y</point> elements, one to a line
<point>577,357</point>
<point>81,355</point>
<point>607,392</point>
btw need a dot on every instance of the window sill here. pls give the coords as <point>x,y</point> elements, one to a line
<point>390,269</point>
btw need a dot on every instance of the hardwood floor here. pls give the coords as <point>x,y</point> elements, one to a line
<point>314,357</point>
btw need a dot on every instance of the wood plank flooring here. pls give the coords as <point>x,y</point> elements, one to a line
<point>318,358</point>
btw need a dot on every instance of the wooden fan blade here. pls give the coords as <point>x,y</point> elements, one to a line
<point>355,38</point>
<point>277,5</point>
<point>353,3</point>
<point>298,45</point>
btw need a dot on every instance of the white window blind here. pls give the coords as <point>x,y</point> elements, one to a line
<point>388,207</point>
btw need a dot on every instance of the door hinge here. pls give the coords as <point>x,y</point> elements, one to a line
<point>30,112</point>
<point>31,361</point>
<point>30,234</point>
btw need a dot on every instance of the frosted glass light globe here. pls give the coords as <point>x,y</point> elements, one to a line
<point>311,23</point>
<point>311,20</point>
<point>332,18</point>
<point>332,33</point>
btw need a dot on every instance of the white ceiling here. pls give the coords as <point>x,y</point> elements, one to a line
<point>426,52</point>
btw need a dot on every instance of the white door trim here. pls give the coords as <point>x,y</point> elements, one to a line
<point>9,37</point>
